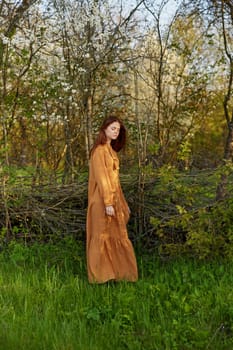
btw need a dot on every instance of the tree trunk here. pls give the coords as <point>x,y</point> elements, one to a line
<point>89,113</point>
<point>228,151</point>
<point>141,175</point>
<point>228,157</point>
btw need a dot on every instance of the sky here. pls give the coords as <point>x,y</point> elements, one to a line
<point>167,13</point>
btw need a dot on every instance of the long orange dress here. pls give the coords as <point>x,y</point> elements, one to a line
<point>110,254</point>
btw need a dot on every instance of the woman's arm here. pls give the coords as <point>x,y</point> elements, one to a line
<point>102,177</point>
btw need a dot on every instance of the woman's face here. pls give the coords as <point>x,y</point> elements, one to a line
<point>112,131</point>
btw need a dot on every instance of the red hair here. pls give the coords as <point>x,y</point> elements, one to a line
<point>101,139</point>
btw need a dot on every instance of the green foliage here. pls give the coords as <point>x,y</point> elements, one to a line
<point>46,302</point>
<point>194,223</point>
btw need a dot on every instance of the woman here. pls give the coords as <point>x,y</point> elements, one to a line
<point>110,254</point>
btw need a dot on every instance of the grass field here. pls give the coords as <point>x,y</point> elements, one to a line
<point>46,303</point>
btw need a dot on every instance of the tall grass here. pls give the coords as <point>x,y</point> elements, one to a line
<point>46,303</point>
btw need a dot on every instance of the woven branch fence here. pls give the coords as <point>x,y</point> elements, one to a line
<point>50,211</point>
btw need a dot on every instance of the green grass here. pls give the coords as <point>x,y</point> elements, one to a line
<point>46,303</point>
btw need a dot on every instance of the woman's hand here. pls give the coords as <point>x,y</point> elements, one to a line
<point>110,210</point>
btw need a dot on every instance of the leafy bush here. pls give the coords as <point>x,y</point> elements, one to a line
<point>194,223</point>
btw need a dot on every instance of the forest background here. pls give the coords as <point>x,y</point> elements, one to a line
<point>164,67</point>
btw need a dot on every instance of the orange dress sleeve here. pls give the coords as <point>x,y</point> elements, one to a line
<point>102,176</point>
